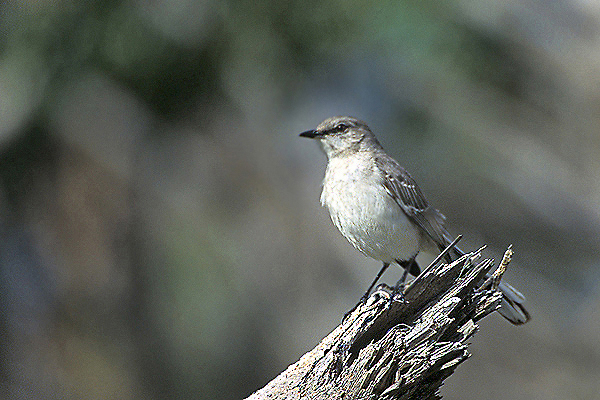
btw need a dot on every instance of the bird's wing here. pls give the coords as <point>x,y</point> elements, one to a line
<point>407,194</point>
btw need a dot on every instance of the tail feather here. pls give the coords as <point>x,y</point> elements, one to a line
<point>511,306</point>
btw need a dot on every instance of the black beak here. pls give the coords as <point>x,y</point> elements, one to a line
<point>313,133</point>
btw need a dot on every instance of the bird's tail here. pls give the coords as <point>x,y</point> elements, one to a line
<point>511,305</point>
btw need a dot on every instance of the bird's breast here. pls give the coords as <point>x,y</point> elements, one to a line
<point>365,213</point>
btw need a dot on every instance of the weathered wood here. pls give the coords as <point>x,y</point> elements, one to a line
<point>391,348</point>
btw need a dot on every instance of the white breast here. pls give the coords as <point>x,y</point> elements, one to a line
<point>365,213</point>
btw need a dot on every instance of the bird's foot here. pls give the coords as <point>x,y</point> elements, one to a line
<point>398,292</point>
<point>381,290</point>
<point>383,287</point>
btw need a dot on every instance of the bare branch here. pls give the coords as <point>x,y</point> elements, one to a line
<point>394,349</point>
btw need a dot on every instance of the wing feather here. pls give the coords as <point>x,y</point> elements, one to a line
<point>407,194</point>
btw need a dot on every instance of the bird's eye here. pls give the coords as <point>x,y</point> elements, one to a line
<point>341,127</point>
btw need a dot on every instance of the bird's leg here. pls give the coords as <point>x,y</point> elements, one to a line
<point>402,281</point>
<point>365,296</point>
<point>408,265</point>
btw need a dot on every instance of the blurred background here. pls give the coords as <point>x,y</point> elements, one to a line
<point>160,227</point>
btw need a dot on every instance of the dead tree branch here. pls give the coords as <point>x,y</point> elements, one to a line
<point>394,349</point>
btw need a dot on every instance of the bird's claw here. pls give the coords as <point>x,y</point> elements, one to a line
<point>398,293</point>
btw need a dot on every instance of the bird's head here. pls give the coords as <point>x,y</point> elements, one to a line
<point>343,135</point>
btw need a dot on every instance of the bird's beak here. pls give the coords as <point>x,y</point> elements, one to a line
<point>313,133</point>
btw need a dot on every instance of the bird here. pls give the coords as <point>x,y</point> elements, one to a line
<point>379,208</point>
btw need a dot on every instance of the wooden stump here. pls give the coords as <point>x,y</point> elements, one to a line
<point>394,348</point>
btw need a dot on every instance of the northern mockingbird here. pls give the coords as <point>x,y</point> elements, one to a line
<point>379,207</point>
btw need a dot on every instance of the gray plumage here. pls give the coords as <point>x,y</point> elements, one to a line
<point>379,207</point>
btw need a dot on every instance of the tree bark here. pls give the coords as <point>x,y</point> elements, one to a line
<point>394,348</point>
